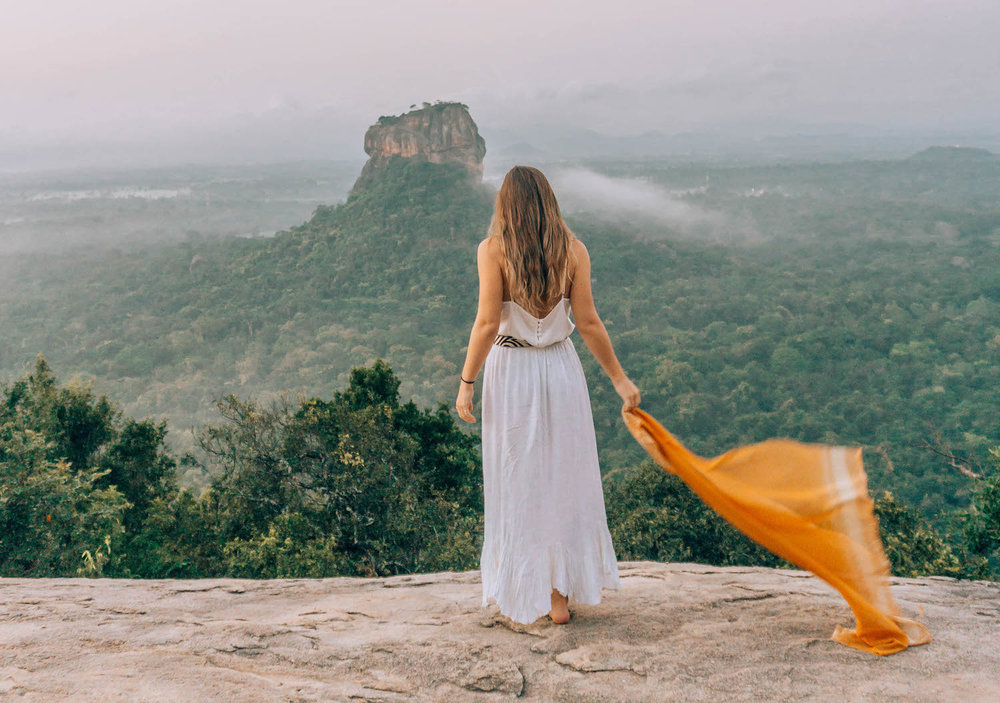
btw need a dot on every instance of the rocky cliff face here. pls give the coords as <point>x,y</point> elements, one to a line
<point>439,133</point>
<point>675,632</point>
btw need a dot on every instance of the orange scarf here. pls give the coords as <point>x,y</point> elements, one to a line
<point>807,503</point>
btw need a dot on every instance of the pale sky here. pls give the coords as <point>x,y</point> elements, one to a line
<point>269,79</point>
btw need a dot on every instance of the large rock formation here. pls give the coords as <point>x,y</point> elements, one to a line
<point>439,133</point>
<point>675,632</point>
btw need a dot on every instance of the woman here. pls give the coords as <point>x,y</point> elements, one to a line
<point>546,535</point>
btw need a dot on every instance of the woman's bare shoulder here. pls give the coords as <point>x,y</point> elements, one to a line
<point>490,245</point>
<point>490,249</point>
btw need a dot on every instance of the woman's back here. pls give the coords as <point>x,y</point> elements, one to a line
<point>519,327</point>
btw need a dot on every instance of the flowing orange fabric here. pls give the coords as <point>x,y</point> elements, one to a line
<point>807,503</point>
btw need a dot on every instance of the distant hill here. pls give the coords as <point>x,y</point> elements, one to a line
<point>947,154</point>
<point>519,150</point>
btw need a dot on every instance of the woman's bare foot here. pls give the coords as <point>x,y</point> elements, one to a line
<point>560,608</point>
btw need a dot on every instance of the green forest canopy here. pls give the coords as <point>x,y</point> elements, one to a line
<point>861,308</point>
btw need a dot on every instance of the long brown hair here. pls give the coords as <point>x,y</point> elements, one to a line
<point>535,241</point>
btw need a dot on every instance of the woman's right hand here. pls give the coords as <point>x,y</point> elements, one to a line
<point>628,391</point>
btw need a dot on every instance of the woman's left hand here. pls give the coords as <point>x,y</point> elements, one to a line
<point>464,401</point>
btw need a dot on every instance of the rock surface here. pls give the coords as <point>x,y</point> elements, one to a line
<point>440,133</point>
<point>675,632</point>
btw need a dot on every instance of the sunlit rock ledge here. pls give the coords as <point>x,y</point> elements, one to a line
<point>674,632</point>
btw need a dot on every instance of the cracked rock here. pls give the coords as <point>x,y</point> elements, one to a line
<point>606,657</point>
<point>502,677</point>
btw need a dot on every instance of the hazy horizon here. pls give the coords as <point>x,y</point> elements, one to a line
<point>125,84</point>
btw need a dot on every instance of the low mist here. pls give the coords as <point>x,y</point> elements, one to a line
<point>583,191</point>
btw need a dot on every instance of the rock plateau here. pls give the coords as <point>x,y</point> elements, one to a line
<point>440,133</point>
<point>674,632</point>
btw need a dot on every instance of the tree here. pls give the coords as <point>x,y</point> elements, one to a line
<point>52,518</point>
<point>981,529</point>
<point>354,485</point>
<point>75,424</point>
<point>77,449</point>
<point>913,547</point>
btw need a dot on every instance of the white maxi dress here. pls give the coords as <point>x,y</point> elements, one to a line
<point>545,521</point>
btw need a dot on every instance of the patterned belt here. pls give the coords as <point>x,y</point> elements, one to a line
<point>505,340</point>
